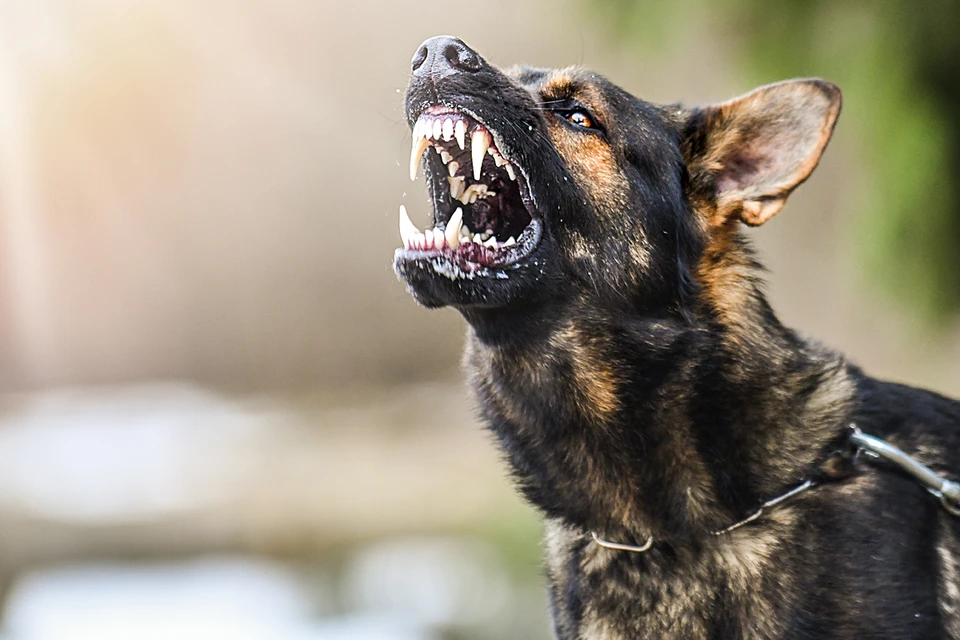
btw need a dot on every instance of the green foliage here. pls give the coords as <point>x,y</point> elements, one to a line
<point>898,63</point>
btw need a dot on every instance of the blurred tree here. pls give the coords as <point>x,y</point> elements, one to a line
<point>898,63</point>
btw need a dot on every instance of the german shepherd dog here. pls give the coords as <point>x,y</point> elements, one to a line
<point>646,396</point>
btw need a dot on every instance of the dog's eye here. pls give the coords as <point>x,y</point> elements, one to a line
<point>580,119</point>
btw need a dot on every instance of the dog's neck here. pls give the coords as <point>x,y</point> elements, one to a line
<point>633,426</point>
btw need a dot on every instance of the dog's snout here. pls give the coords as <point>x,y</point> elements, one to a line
<point>443,55</point>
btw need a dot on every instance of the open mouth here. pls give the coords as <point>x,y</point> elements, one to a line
<point>484,215</point>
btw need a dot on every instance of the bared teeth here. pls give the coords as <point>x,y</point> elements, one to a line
<point>408,230</point>
<point>452,233</point>
<point>430,131</point>
<point>479,143</point>
<point>420,144</point>
<point>474,192</point>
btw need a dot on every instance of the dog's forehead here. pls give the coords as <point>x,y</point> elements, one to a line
<point>566,83</point>
<point>612,104</point>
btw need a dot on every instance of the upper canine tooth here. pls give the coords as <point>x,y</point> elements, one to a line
<point>452,232</point>
<point>437,129</point>
<point>460,131</point>
<point>408,230</point>
<point>447,129</point>
<point>479,143</point>
<point>419,146</point>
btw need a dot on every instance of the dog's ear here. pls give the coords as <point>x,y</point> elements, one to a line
<point>745,156</point>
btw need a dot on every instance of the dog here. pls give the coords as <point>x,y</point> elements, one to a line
<point>689,453</point>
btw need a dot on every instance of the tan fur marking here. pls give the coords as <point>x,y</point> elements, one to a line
<point>589,157</point>
<point>560,84</point>
<point>596,382</point>
<point>725,276</point>
<point>593,628</point>
<point>593,163</point>
<point>949,553</point>
<point>596,168</point>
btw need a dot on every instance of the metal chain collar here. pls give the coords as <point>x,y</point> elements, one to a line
<point>872,448</point>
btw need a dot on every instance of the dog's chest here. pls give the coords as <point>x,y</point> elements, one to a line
<point>737,588</point>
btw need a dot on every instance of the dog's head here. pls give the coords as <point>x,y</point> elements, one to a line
<point>549,185</point>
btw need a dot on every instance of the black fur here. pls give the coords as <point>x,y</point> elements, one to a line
<point>641,385</point>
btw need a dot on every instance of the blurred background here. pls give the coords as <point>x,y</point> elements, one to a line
<point>223,417</point>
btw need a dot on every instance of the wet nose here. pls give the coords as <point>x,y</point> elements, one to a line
<point>444,55</point>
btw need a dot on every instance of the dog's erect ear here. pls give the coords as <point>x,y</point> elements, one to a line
<point>748,154</point>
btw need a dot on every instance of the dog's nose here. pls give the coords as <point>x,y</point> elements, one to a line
<point>443,55</point>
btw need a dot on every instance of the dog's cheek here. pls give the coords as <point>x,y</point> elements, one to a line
<point>591,163</point>
<point>612,235</point>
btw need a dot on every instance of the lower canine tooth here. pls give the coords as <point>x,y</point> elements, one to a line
<point>454,227</point>
<point>408,230</point>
